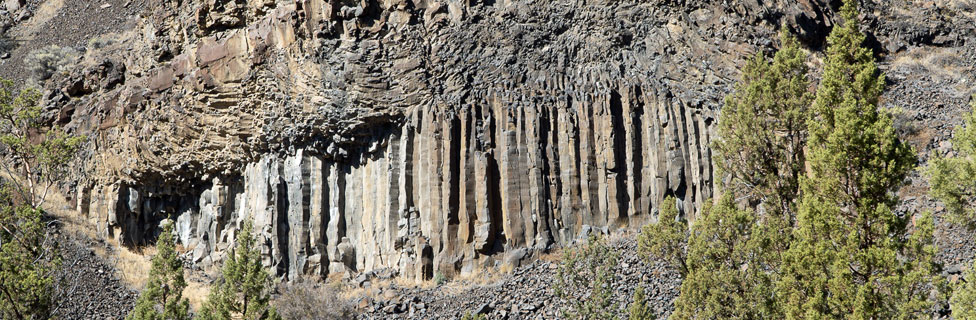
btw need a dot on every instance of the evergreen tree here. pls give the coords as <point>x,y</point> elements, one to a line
<point>243,292</point>
<point>733,254</point>
<point>952,180</point>
<point>726,274</point>
<point>639,309</point>
<point>163,295</point>
<point>762,130</point>
<point>26,263</point>
<point>35,156</point>
<point>852,255</point>
<point>588,271</point>
<point>665,239</point>
<point>35,153</point>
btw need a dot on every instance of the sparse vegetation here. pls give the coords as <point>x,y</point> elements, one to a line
<point>639,308</point>
<point>46,62</point>
<point>99,42</point>
<point>953,181</point>
<point>585,281</point>
<point>308,300</point>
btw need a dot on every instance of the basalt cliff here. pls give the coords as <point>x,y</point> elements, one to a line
<point>417,136</point>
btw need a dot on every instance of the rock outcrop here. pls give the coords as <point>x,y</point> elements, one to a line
<point>413,135</point>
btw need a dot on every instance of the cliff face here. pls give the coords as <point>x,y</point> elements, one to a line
<point>420,136</point>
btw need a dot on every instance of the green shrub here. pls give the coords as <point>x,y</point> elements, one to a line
<point>46,62</point>
<point>26,263</point>
<point>244,288</point>
<point>667,238</point>
<point>307,300</point>
<point>473,316</point>
<point>163,296</point>
<point>440,279</point>
<point>585,281</point>
<point>639,309</point>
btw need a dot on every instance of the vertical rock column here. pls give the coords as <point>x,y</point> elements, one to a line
<point>453,190</point>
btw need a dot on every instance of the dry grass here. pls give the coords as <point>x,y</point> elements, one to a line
<point>378,288</point>
<point>196,292</point>
<point>966,8</point>
<point>311,300</point>
<point>939,63</point>
<point>350,292</point>
<point>131,265</point>
<point>45,12</point>
<point>552,256</point>
<point>912,190</point>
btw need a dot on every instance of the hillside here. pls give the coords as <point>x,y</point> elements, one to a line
<point>417,139</point>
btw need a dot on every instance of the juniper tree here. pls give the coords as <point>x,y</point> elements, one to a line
<point>762,130</point>
<point>734,249</point>
<point>726,275</point>
<point>952,180</point>
<point>244,289</point>
<point>853,256</point>
<point>26,263</point>
<point>34,157</point>
<point>163,296</point>
<point>762,137</point>
<point>667,238</point>
<point>36,154</point>
<point>584,281</point>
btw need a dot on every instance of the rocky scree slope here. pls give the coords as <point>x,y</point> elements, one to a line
<point>526,293</point>
<point>86,285</point>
